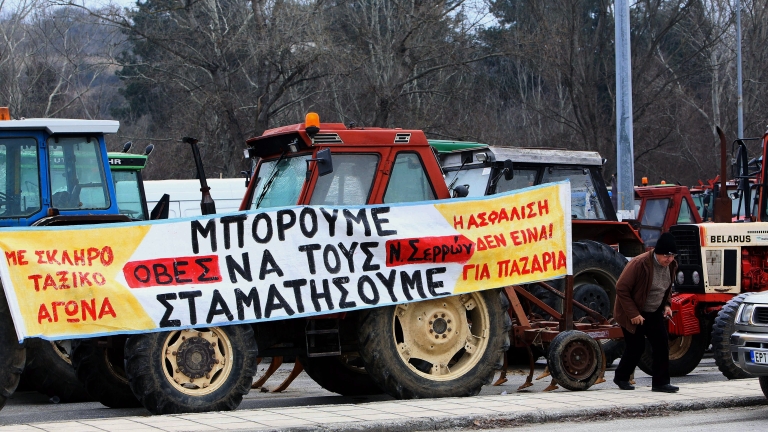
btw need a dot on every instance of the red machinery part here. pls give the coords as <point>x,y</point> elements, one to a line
<point>684,321</point>
<point>754,269</point>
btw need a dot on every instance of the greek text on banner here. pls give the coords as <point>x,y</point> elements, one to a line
<point>69,282</point>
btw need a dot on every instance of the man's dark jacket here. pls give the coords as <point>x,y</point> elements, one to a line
<point>633,287</point>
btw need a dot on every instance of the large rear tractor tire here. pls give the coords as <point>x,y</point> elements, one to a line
<point>685,353</point>
<point>721,339</point>
<point>574,360</point>
<point>596,266</point>
<point>613,349</point>
<point>445,347</point>
<point>101,370</point>
<point>191,370</point>
<point>12,353</point>
<point>344,374</point>
<point>49,371</point>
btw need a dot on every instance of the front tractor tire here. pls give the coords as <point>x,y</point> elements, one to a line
<point>722,330</point>
<point>12,353</point>
<point>191,370</point>
<point>100,369</point>
<point>445,347</point>
<point>344,374</point>
<point>49,371</point>
<point>574,360</point>
<point>685,353</point>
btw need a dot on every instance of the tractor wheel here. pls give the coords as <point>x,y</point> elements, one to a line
<point>594,297</point>
<point>596,266</point>
<point>614,349</point>
<point>191,370</point>
<point>764,385</point>
<point>685,353</point>
<point>445,347</point>
<point>721,339</point>
<point>49,371</point>
<point>100,369</point>
<point>344,374</point>
<point>12,353</point>
<point>574,360</point>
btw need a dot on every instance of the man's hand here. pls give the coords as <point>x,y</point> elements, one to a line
<point>638,320</point>
<point>667,312</point>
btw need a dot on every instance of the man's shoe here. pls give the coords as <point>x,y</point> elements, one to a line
<point>666,388</point>
<point>624,385</point>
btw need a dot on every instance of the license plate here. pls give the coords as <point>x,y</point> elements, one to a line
<point>759,357</point>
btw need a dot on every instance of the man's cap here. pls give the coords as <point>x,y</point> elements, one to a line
<point>666,245</point>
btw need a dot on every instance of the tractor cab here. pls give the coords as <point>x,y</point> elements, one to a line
<point>53,171</point>
<point>658,207</point>
<point>332,164</point>
<point>487,170</point>
<point>129,184</point>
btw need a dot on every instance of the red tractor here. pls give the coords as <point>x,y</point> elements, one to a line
<point>718,262</point>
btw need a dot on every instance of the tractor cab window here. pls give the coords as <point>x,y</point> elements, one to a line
<point>653,220</point>
<point>19,178</point>
<point>408,181</point>
<point>280,181</point>
<point>350,182</point>
<point>76,172</point>
<point>128,194</point>
<point>476,178</point>
<point>685,215</point>
<point>698,200</point>
<point>523,178</point>
<point>585,204</point>
<point>739,203</point>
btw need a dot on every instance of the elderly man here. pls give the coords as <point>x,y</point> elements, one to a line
<point>642,306</point>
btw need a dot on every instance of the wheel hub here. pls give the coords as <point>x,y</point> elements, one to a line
<point>578,360</point>
<point>440,326</point>
<point>442,338</point>
<point>196,357</point>
<point>592,296</point>
<point>197,362</point>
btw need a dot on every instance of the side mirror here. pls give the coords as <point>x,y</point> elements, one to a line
<point>509,170</point>
<point>460,191</point>
<point>161,208</point>
<point>247,176</point>
<point>324,162</point>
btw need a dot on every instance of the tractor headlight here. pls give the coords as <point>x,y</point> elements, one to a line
<point>745,313</point>
<point>680,278</point>
<point>696,277</point>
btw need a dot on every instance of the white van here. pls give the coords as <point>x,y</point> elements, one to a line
<point>185,195</point>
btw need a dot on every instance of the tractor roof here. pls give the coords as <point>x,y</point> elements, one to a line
<point>295,138</point>
<point>449,146</point>
<point>521,155</point>
<point>548,156</point>
<point>126,161</point>
<point>53,126</point>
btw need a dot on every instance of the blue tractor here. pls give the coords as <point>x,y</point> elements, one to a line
<point>52,172</point>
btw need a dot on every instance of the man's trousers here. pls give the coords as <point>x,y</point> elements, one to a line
<point>655,329</point>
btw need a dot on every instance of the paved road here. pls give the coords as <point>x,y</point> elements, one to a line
<point>27,407</point>
<point>717,420</point>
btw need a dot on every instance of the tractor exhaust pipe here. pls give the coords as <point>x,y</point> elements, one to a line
<point>722,212</point>
<point>207,206</point>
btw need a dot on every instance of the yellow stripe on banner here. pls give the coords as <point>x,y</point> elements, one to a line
<point>518,238</point>
<point>75,290</point>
